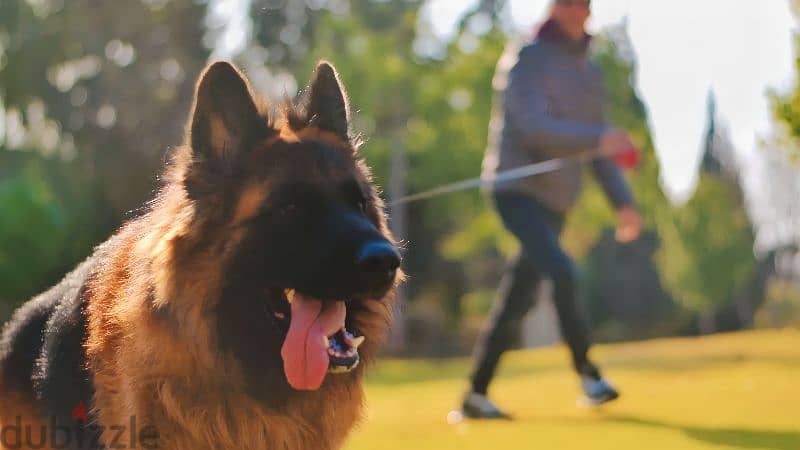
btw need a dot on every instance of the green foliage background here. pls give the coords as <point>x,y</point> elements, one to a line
<point>94,94</point>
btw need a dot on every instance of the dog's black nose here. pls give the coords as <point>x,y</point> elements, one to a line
<point>378,262</point>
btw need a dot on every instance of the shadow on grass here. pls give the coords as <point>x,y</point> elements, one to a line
<point>733,437</point>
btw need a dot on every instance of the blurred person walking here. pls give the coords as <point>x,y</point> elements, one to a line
<point>549,104</point>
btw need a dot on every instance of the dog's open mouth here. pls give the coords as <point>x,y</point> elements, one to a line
<point>317,341</point>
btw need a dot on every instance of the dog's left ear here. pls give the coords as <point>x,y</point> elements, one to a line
<point>224,117</point>
<point>327,106</point>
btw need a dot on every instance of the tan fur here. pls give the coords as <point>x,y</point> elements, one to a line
<point>249,202</point>
<point>307,134</point>
<point>220,137</point>
<point>288,135</point>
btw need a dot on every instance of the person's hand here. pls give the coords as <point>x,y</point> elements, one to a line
<point>615,141</point>
<point>629,224</point>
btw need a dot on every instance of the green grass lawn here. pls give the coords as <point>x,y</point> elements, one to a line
<point>735,391</point>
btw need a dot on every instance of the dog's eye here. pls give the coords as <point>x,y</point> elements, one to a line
<point>354,196</point>
<point>288,209</point>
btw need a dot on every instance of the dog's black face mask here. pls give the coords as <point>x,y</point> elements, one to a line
<point>318,233</point>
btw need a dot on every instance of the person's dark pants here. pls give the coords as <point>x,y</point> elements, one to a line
<point>538,230</point>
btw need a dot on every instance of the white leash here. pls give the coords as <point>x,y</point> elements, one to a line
<point>530,170</point>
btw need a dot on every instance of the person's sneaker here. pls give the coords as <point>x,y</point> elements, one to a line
<point>477,406</point>
<point>598,390</point>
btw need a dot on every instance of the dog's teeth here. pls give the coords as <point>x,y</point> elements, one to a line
<point>331,351</point>
<point>356,342</point>
<point>289,295</point>
<point>279,316</point>
<point>326,342</point>
<point>339,369</point>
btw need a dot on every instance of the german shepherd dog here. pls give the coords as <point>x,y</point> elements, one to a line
<point>234,311</point>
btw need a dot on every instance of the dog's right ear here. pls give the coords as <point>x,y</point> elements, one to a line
<point>224,117</point>
<point>328,107</point>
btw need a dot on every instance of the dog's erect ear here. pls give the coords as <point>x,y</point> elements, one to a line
<point>224,117</point>
<point>327,106</point>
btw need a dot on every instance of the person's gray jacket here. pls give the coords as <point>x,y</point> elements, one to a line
<point>549,104</point>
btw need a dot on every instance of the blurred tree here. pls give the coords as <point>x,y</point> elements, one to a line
<point>91,95</point>
<point>708,254</point>
<point>775,206</point>
<point>105,83</point>
<point>705,260</point>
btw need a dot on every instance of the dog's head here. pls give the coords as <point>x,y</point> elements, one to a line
<point>308,264</point>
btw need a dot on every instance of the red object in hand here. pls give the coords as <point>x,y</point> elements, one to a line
<point>628,159</point>
<point>79,413</point>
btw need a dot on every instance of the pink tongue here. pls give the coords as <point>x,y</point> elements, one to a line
<point>305,355</point>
